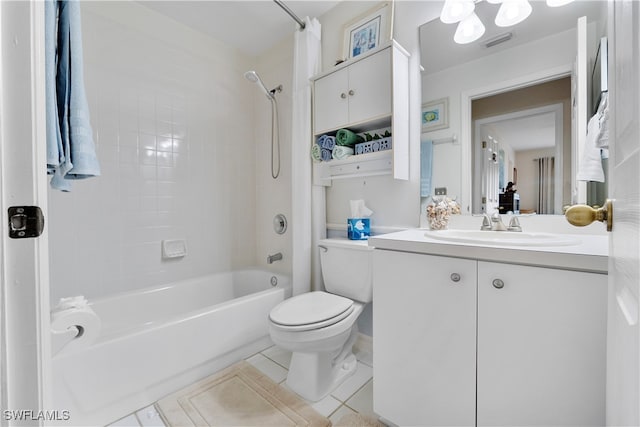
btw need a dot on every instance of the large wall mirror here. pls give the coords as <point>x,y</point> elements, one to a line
<point>506,136</point>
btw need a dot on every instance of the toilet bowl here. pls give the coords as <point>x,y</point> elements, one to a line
<point>320,328</point>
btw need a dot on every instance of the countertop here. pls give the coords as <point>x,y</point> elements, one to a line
<point>589,254</point>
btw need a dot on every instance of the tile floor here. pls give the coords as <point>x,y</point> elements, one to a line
<point>355,395</point>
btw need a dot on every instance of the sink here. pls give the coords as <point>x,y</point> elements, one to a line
<point>502,238</point>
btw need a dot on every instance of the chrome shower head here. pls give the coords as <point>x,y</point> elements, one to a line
<point>253,77</point>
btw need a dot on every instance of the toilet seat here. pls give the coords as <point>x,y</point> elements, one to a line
<point>312,310</point>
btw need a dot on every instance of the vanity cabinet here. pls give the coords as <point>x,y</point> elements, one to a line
<point>504,344</point>
<point>369,93</point>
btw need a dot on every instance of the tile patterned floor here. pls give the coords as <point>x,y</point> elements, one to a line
<point>355,395</point>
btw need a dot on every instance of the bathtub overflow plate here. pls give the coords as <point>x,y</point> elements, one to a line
<point>274,281</point>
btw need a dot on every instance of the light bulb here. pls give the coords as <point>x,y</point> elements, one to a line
<point>558,3</point>
<point>512,12</point>
<point>469,29</point>
<point>456,10</point>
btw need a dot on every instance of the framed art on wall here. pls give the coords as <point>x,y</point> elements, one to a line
<point>368,31</point>
<point>435,115</point>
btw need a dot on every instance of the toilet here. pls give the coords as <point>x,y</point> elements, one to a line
<point>320,328</point>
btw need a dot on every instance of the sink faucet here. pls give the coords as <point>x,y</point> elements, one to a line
<point>497,224</point>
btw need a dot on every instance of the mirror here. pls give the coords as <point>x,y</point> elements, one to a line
<point>510,98</point>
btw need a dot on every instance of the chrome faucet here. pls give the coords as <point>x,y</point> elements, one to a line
<point>274,257</point>
<point>497,224</point>
<point>494,223</point>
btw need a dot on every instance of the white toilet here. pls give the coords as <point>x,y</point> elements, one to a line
<point>320,327</point>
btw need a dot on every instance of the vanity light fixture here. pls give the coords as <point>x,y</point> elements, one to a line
<point>469,29</point>
<point>512,12</point>
<point>456,10</point>
<point>558,3</point>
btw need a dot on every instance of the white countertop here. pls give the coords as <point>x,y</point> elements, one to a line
<point>590,254</point>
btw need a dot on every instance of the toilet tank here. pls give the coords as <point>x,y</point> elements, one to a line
<point>347,268</point>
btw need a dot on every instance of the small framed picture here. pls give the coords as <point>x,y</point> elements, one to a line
<point>368,31</point>
<point>435,115</point>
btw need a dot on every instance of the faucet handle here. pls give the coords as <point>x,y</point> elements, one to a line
<point>486,222</point>
<point>514,224</point>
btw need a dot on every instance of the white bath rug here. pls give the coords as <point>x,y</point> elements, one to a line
<point>238,396</point>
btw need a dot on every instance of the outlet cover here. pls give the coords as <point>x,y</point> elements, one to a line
<point>441,191</point>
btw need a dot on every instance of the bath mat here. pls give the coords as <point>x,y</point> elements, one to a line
<point>358,420</point>
<point>240,395</point>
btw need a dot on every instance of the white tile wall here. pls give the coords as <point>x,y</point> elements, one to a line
<point>173,123</point>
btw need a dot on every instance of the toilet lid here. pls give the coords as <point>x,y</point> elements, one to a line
<point>311,309</point>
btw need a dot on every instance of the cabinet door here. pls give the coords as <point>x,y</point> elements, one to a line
<point>541,346</point>
<point>425,339</point>
<point>331,101</point>
<point>370,87</point>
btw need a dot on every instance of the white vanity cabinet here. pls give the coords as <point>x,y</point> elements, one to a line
<point>504,345</point>
<point>369,93</point>
<point>541,346</point>
<point>424,345</point>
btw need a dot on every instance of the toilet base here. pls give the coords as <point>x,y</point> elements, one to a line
<point>315,375</point>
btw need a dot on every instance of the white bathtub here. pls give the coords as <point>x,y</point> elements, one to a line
<point>157,340</point>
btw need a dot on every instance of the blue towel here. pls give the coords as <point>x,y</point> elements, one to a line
<point>320,140</point>
<point>426,165</point>
<point>71,151</point>
<point>325,155</point>
<point>329,142</point>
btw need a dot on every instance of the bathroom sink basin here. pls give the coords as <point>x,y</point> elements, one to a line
<point>502,238</point>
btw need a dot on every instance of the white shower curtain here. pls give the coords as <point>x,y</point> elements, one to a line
<point>306,63</point>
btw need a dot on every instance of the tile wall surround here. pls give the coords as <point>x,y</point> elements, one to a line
<point>182,148</point>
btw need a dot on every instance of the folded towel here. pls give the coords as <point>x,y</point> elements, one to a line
<point>316,153</point>
<point>325,155</point>
<point>346,137</point>
<point>340,152</point>
<point>328,142</point>
<point>321,139</point>
<point>426,165</point>
<point>72,154</point>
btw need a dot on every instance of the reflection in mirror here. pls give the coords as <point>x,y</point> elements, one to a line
<point>519,92</point>
<point>528,129</point>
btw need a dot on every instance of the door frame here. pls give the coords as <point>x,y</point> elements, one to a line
<point>25,352</point>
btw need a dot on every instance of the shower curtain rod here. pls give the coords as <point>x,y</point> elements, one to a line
<point>291,14</point>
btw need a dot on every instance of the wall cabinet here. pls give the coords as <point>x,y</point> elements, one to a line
<point>464,342</point>
<point>354,94</point>
<point>367,93</point>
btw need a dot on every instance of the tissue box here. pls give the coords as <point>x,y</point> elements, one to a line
<point>358,228</point>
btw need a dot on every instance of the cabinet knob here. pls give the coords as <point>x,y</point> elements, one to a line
<point>351,92</point>
<point>455,277</point>
<point>343,95</point>
<point>498,284</point>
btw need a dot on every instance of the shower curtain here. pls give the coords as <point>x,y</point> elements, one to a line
<point>546,173</point>
<point>306,63</point>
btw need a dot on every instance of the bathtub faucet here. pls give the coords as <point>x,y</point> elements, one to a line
<point>274,257</point>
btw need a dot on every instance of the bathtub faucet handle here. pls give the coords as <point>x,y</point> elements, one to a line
<point>274,257</point>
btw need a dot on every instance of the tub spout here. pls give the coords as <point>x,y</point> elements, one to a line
<point>274,257</point>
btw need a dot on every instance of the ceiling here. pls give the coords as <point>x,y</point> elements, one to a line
<point>527,133</point>
<point>439,51</point>
<point>253,26</point>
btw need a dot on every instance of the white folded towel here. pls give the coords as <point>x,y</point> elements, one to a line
<point>590,165</point>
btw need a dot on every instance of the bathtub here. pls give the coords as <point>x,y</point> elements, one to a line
<point>158,340</point>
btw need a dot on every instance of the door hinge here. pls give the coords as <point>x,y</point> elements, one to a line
<point>25,222</point>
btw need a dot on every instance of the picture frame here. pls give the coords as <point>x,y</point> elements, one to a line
<point>368,31</point>
<point>435,115</point>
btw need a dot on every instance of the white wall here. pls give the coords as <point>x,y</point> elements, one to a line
<point>173,122</point>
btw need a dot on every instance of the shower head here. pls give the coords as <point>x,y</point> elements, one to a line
<point>253,77</point>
